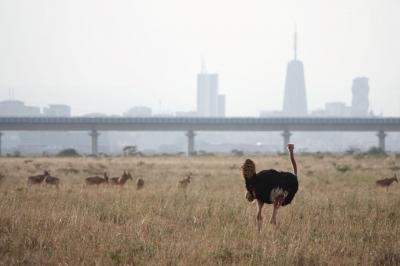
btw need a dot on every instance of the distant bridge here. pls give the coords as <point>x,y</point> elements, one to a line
<point>192,124</point>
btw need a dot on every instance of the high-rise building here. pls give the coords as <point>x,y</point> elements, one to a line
<point>139,111</point>
<point>17,108</point>
<point>57,110</point>
<point>360,102</point>
<point>186,114</point>
<point>295,101</point>
<point>221,105</point>
<point>207,93</point>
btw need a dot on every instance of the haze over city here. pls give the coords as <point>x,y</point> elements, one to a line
<point>103,56</point>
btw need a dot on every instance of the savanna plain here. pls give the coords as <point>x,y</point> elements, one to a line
<point>338,217</point>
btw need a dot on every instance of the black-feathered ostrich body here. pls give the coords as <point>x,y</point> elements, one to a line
<point>270,186</point>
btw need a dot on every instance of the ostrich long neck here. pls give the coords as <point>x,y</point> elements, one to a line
<point>294,165</point>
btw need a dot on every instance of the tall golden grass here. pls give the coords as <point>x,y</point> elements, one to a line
<point>338,216</point>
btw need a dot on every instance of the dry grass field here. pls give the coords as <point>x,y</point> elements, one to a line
<point>338,216</point>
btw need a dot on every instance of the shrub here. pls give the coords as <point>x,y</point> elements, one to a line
<point>68,152</point>
<point>130,151</point>
<point>352,151</point>
<point>375,151</point>
<point>343,168</point>
<point>237,152</point>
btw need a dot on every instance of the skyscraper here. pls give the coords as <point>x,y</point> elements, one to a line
<point>360,102</point>
<point>57,110</point>
<point>295,101</point>
<point>221,105</point>
<point>17,108</point>
<point>207,94</point>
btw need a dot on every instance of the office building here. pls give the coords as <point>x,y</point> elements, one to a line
<point>295,101</point>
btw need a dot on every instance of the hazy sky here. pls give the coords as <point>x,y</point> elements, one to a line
<point>107,56</point>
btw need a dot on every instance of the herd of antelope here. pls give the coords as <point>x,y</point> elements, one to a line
<point>120,181</point>
<point>46,177</point>
<point>99,180</point>
<point>89,181</point>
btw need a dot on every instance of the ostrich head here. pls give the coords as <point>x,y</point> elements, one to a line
<point>248,171</point>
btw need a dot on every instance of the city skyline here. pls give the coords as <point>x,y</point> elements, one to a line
<point>103,57</point>
<point>212,104</point>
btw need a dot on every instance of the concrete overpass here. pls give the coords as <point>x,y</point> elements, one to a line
<point>190,125</point>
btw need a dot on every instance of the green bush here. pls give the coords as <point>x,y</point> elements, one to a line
<point>68,152</point>
<point>375,151</point>
<point>237,152</point>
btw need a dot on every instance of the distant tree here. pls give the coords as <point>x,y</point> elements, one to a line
<point>343,168</point>
<point>375,151</point>
<point>352,150</point>
<point>130,150</point>
<point>237,152</point>
<point>203,153</point>
<point>68,152</point>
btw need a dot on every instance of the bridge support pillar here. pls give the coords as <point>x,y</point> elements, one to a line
<point>190,135</point>
<point>95,137</point>
<point>1,134</point>
<point>286,139</point>
<point>381,140</point>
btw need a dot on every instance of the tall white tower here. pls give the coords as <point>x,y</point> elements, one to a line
<point>360,102</point>
<point>207,93</point>
<point>295,101</point>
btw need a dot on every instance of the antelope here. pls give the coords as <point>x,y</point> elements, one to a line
<point>184,183</point>
<point>121,180</point>
<point>97,180</point>
<point>52,180</point>
<point>386,182</point>
<point>139,183</point>
<point>37,179</point>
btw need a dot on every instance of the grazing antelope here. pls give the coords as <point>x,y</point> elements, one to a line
<point>184,183</point>
<point>37,179</point>
<point>97,180</point>
<point>121,180</point>
<point>52,180</point>
<point>270,186</point>
<point>139,184</point>
<point>386,182</point>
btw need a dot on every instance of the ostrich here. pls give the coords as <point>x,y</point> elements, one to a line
<point>270,186</point>
<point>386,182</point>
<point>37,179</point>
